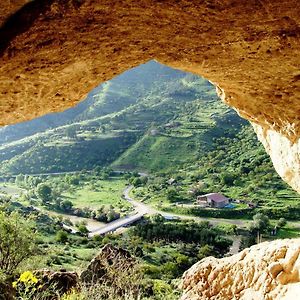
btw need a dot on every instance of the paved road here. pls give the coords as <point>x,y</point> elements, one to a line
<point>142,209</point>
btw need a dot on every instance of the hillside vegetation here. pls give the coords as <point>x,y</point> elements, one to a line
<point>153,134</point>
<point>150,111</point>
<point>161,121</point>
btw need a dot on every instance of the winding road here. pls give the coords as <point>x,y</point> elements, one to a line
<point>142,209</point>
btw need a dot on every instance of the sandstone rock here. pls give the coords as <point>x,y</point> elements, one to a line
<point>248,49</point>
<point>54,52</point>
<point>267,271</point>
<point>285,155</point>
<point>109,257</point>
<point>56,283</point>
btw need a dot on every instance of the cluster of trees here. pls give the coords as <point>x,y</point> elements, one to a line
<point>261,226</point>
<point>239,161</point>
<point>138,181</point>
<point>103,214</point>
<point>49,192</point>
<point>156,228</point>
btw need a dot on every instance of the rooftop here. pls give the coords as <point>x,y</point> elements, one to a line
<point>216,197</point>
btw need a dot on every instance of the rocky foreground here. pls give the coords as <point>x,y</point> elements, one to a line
<point>270,270</point>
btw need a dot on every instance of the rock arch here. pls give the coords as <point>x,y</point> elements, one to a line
<point>54,51</point>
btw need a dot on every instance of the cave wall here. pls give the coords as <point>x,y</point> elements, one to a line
<point>52,53</point>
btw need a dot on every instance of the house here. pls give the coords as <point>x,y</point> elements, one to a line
<point>213,200</point>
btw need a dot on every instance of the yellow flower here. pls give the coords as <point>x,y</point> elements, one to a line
<point>28,277</point>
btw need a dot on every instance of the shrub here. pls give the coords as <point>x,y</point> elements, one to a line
<point>61,236</point>
<point>17,241</point>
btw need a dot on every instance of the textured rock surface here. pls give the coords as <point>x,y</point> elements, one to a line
<point>63,281</point>
<point>53,52</point>
<point>284,154</point>
<point>109,257</point>
<point>267,271</point>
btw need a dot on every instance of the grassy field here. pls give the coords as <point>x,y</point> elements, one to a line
<point>9,188</point>
<point>288,232</point>
<point>102,192</point>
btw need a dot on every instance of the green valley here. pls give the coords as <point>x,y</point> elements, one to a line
<point>128,169</point>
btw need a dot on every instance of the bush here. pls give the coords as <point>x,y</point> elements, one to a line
<point>17,241</point>
<point>61,236</point>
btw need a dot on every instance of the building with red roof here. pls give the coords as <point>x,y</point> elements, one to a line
<point>216,200</point>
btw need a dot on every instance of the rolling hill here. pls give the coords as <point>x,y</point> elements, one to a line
<point>149,111</point>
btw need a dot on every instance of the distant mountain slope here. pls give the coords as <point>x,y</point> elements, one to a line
<point>151,117</point>
<point>185,139</point>
<point>167,123</point>
<point>107,98</point>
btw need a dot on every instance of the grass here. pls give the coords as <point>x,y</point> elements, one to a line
<point>288,232</point>
<point>102,192</point>
<point>9,188</point>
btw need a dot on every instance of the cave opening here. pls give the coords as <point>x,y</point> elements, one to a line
<point>154,119</point>
<point>54,52</point>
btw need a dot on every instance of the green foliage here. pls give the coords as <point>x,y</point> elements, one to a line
<point>205,251</point>
<point>260,223</point>
<point>172,194</point>
<point>62,236</point>
<point>83,229</point>
<point>281,222</point>
<point>138,181</point>
<point>189,232</point>
<point>66,205</point>
<point>17,241</point>
<point>44,192</point>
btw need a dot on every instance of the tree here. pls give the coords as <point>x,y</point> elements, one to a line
<point>20,180</point>
<point>281,222</point>
<point>112,215</point>
<point>83,229</point>
<point>259,225</point>
<point>71,132</point>
<point>44,192</point>
<point>227,178</point>
<point>73,180</point>
<point>204,251</point>
<point>172,195</point>
<point>66,205</point>
<point>61,236</point>
<point>17,241</point>
<point>137,182</point>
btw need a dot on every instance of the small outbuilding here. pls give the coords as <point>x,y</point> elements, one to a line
<point>216,200</point>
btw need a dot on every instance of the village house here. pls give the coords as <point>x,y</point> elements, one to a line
<point>213,200</point>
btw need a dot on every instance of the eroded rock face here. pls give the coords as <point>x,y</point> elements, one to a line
<point>109,257</point>
<point>267,271</point>
<point>285,155</point>
<point>55,284</point>
<point>52,53</point>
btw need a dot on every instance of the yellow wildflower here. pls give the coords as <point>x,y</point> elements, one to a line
<point>28,277</point>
